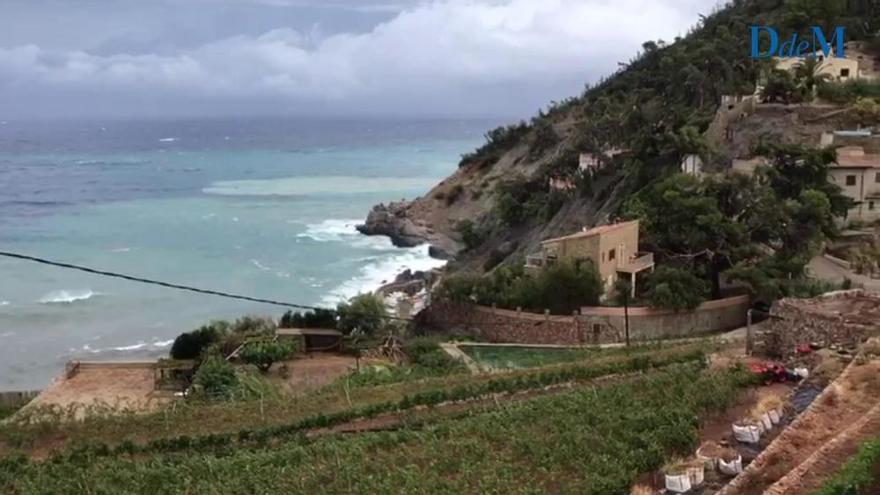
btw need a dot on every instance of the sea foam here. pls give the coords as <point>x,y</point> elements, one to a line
<point>67,296</point>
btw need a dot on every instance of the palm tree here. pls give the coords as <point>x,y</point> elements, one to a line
<point>808,74</point>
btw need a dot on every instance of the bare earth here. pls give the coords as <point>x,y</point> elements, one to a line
<point>313,371</point>
<point>123,387</point>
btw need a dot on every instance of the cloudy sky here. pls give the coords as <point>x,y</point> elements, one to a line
<point>177,58</point>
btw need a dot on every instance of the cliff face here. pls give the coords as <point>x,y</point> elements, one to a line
<point>657,108</point>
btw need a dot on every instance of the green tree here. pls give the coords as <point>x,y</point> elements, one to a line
<point>674,288</point>
<point>780,87</point>
<point>808,75</point>
<point>264,354</point>
<point>190,345</point>
<point>366,313</point>
<point>216,377</point>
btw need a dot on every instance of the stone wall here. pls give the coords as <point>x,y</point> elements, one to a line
<point>592,325</point>
<point>501,325</point>
<point>841,318</point>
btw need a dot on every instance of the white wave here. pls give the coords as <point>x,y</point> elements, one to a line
<point>5,303</point>
<point>7,334</point>
<point>140,345</point>
<point>168,140</point>
<point>344,230</point>
<point>294,186</point>
<point>120,250</point>
<point>374,275</point>
<point>259,265</point>
<point>67,296</point>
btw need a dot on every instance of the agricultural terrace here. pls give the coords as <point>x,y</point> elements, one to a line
<point>355,396</point>
<point>535,445</point>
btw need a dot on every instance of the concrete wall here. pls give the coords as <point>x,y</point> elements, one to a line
<point>652,323</point>
<point>594,325</point>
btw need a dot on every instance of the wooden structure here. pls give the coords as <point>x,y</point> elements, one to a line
<point>311,339</point>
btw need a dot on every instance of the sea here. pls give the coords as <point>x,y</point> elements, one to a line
<point>264,207</point>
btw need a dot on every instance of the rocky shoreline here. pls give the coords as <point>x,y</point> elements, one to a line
<point>396,221</point>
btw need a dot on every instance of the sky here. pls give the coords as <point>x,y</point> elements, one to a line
<point>319,58</point>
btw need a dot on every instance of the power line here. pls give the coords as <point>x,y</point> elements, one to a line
<point>168,285</point>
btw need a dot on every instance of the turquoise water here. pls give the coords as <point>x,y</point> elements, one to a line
<point>264,217</point>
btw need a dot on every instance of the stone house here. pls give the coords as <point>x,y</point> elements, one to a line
<point>858,175</point>
<point>836,68</point>
<point>613,249</point>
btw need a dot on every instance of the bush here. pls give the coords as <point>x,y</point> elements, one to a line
<point>190,345</point>
<point>264,354</point>
<point>470,234</point>
<point>365,313</point>
<point>561,288</point>
<point>317,318</point>
<point>216,377</point>
<point>676,289</point>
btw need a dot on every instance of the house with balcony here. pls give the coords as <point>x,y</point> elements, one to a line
<point>858,175</point>
<point>613,249</point>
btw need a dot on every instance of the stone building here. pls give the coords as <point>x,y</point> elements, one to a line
<point>858,175</point>
<point>613,249</point>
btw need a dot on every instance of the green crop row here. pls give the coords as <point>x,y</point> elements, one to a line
<point>500,385</point>
<point>589,440</point>
<point>858,474</point>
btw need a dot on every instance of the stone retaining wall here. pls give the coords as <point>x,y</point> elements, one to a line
<point>592,325</point>
<point>841,318</point>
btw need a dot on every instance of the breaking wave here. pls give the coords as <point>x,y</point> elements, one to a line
<point>376,274</point>
<point>67,297</point>
<point>140,346</point>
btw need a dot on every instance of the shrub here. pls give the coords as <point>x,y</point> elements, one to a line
<point>365,313</point>
<point>264,354</point>
<point>676,289</point>
<point>454,194</point>
<point>317,318</point>
<point>470,234</point>
<point>190,345</point>
<point>216,377</point>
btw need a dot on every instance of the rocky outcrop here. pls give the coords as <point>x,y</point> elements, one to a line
<point>397,221</point>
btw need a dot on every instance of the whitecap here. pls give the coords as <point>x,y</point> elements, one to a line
<point>259,265</point>
<point>168,140</point>
<point>133,347</point>
<point>120,250</point>
<point>5,303</point>
<point>162,343</point>
<point>373,275</point>
<point>298,186</point>
<point>67,296</point>
<point>344,230</point>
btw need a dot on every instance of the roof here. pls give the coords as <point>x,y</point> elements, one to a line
<point>855,157</point>
<point>308,331</point>
<point>601,229</point>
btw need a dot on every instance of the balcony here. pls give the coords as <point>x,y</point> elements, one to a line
<point>535,260</point>
<point>640,262</point>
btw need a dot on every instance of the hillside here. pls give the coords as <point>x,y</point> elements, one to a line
<point>497,206</point>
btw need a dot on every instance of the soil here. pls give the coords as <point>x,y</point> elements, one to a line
<point>841,418</point>
<point>312,371</point>
<point>123,387</point>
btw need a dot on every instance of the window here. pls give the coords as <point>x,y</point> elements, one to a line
<point>870,205</point>
<point>844,72</point>
<point>611,254</point>
<point>850,180</point>
<point>877,177</point>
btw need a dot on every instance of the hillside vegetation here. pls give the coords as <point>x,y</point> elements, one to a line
<point>497,206</point>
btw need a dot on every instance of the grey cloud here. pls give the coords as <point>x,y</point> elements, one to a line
<point>449,57</point>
